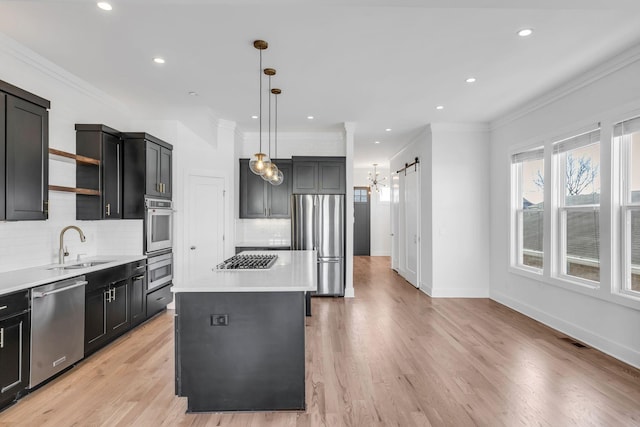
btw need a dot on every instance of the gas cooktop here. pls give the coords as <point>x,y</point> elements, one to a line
<point>248,262</point>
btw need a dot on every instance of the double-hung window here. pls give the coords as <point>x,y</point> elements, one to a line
<point>627,137</point>
<point>577,186</point>
<point>528,172</point>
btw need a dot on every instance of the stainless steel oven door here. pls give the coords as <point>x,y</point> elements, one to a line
<point>159,270</point>
<point>159,224</point>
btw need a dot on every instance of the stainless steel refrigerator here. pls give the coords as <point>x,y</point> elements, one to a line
<point>318,223</point>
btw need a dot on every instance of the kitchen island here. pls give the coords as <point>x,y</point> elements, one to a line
<point>239,336</point>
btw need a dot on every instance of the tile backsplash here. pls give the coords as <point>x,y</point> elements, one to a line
<point>26,244</point>
<point>262,231</point>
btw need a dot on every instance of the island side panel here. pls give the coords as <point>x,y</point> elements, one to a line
<point>254,363</point>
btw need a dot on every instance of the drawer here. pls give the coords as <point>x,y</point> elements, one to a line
<point>158,299</point>
<point>13,303</point>
<point>138,267</point>
<point>103,278</point>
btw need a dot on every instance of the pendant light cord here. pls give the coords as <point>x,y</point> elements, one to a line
<point>276,130</point>
<point>269,116</point>
<point>260,109</point>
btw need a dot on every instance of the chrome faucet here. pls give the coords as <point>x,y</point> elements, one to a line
<point>63,250</point>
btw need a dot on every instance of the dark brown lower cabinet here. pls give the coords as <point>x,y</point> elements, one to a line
<point>14,347</point>
<point>106,307</point>
<point>138,298</point>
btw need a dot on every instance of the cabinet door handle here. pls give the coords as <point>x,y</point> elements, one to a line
<point>4,307</point>
<point>1,337</point>
<point>113,294</point>
<point>108,209</point>
<point>138,277</point>
<point>107,295</point>
<point>158,188</point>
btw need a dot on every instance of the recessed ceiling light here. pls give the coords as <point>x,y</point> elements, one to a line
<point>377,142</point>
<point>254,117</point>
<point>310,117</point>
<point>192,93</point>
<point>440,107</point>
<point>471,80</point>
<point>525,32</point>
<point>158,60</point>
<point>387,130</point>
<point>104,5</point>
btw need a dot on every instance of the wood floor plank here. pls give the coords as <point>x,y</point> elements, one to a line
<point>390,357</point>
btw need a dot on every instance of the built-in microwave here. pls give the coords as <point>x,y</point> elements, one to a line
<point>159,270</point>
<point>158,225</point>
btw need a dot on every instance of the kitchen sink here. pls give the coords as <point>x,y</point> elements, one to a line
<point>78,265</point>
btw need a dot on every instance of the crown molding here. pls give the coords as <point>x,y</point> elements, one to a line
<point>606,68</point>
<point>32,59</point>
<point>459,127</point>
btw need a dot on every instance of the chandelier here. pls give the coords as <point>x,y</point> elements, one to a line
<point>374,181</point>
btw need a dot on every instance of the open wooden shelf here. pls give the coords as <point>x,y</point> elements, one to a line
<point>77,158</point>
<point>85,191</point>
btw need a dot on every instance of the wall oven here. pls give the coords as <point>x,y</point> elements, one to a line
<point>159,270</point>
<point>158,225</point>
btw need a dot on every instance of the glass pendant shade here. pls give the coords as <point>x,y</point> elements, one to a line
<point>270,172</point>
<point>278,178</point>
<point>259,163</point>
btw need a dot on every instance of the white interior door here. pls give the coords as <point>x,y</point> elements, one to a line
<point>395,205</point>
<point>205,222</point>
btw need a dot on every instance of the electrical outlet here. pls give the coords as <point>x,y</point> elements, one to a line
<point>219,319</point>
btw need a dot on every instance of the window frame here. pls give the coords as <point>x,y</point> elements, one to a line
<point>626,205</point>
<point>516,215</point>
<point>560,210</point>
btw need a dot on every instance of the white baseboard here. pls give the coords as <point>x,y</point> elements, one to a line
<point>454,293</point>
<point>614,349</point>
<point>349,293</point>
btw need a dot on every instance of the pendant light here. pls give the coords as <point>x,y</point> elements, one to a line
<point>271,170</point>
<point>279,177</point>
<point>260,162</point>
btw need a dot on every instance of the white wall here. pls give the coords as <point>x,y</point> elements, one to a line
<point>380,224</point>
<point>29,243</point>
<point>460,209</point>
<point>454,208</point>
<point>606,94</point>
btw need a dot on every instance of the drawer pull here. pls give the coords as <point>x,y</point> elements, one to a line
<point>1,337</point>
<point>4,307</point>
<point>160,299</point>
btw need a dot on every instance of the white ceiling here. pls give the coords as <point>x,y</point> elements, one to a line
<point>377,63</point>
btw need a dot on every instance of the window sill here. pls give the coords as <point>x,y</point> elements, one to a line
<point>622,298</point>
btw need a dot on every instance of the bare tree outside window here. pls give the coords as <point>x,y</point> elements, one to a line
<point>581,174</point>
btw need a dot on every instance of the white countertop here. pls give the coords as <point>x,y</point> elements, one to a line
<point>17,280</point>
<point>264,243</point>
<point>293,271</point>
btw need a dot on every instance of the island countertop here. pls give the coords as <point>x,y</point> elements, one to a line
<point>293,271</point>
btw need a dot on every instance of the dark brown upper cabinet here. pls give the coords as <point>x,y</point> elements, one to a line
<point>260,199</point>
<point>24,155</point>
<point>104,144</point>
<point>147,171</point>
<point>319,175</point>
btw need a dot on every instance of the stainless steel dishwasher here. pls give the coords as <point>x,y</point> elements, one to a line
<point>57,327</point>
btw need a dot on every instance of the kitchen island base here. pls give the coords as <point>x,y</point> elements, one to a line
<point>240,351</point>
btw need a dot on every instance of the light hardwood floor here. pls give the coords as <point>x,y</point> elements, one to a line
<point>390,357</point>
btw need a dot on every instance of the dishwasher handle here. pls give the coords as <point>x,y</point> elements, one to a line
<point>36,294</point>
